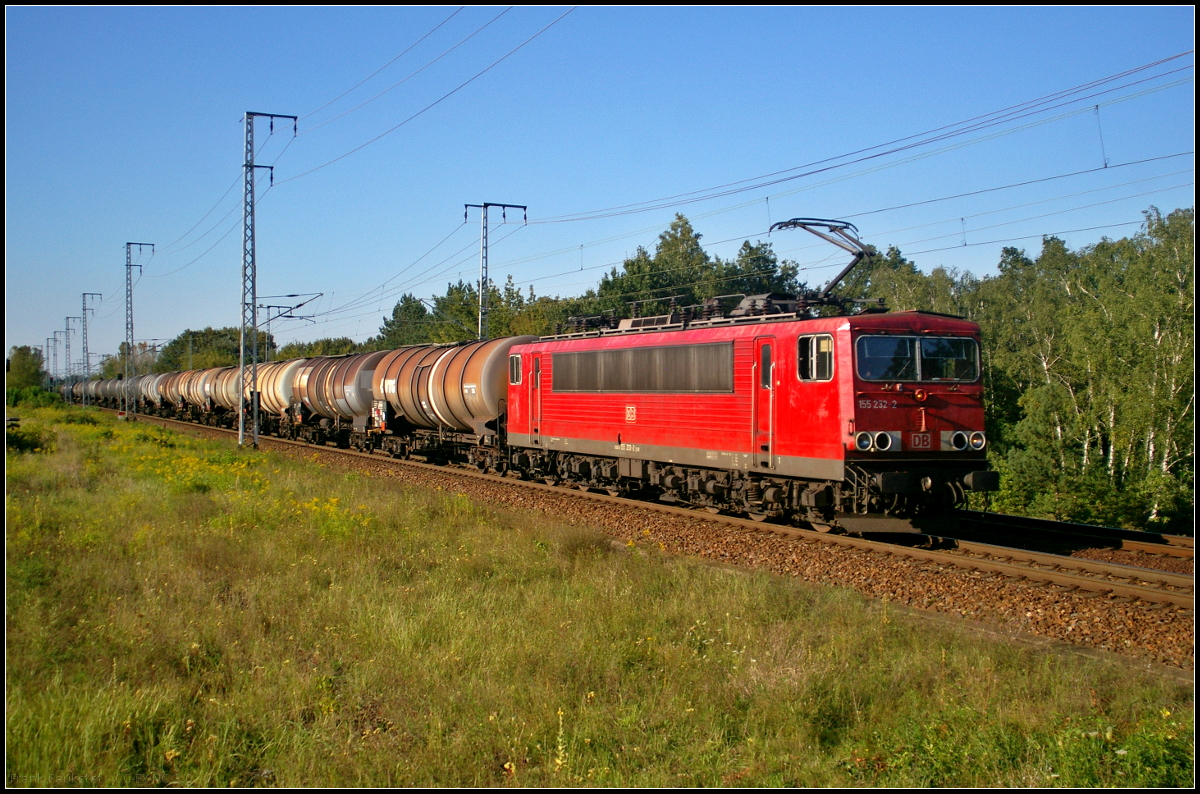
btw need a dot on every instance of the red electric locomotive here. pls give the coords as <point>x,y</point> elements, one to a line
<point>863,422</point>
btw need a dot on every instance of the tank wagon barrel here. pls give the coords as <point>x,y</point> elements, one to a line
<point>224,389</point>
<point>275,385</point>
<point>462,387</point>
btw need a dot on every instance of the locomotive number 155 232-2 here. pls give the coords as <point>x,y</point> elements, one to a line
<point>865,404</point>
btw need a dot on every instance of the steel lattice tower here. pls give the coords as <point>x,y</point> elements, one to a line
<point>250,281</point>
<point>67,347</point>
<point>87,362</point>
<point>129,266</point>
<point>54,376</point>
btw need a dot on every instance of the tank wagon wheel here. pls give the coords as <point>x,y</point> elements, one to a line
<point>759,517</point>
<point>613,491</point>
<point>717,510</point>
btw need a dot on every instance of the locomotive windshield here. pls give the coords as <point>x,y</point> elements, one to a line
<point>917,358</point>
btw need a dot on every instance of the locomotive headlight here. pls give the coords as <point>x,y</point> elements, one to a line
<point>959,440</point>
<point>978,440</point>
<point>862,442</point>
<point>883,442</point>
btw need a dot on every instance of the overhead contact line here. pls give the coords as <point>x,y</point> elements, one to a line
<point>433,104</point>
<point>947,132</point>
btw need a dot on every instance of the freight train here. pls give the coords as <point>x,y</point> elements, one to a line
<point>858,420</point>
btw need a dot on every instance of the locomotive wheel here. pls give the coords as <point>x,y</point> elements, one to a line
<point>716,510</point>
<point>758,516</point>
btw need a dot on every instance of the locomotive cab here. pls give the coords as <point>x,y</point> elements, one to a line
<point>914,440</point>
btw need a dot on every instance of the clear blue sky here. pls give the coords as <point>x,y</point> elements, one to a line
<point>125,124</point>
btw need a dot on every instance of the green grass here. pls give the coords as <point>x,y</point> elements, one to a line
<point>182,613</point>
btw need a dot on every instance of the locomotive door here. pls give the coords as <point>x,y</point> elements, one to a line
<point>764,401</point>
<point>535,399</point>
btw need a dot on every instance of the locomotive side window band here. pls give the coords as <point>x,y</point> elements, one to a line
<point>815,359</point>
<point>913,358</point>
<point>702,369</point>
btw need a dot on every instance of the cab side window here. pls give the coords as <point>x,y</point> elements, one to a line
<point>815,357</point>
<point>514,370</point>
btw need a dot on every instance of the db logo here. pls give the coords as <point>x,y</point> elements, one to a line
<point>922,441</point>
<point>630,413</point>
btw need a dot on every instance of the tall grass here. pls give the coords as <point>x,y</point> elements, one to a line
<point>182,613</point>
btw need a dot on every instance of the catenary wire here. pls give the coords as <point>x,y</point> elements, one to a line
<point>412,281</point>
<point>1098,169</point>
<point>431,105</point>
<point>815,171</point>
<point>1012,113</point>
<point>503,265</point>
<point>411,74</point>
<point>386,65</point>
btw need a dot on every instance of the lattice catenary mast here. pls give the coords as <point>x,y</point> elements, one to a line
<point>250,279</point>
<point>87,362</point>
<point>67,348</point>
<point>129,266</point>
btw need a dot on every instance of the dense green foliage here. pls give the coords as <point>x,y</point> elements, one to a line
<point>321,347</point>
<point>30,397</point>
<point>24,368</point>
<point>179,613</point>
<point>211,347</point>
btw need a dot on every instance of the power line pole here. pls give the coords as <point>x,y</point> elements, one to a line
<point>129,266</point>
<point>67,350</point>
<point>87,362</point>
<point>483,252</point>
<point>250,279</point>
<point>55,375</point>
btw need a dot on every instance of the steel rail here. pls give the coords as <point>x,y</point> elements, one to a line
<point>1181,580</point>
<point>1114,537</point>
<point>1025,569</point>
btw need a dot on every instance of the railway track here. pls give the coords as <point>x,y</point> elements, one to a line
<point>1068,534</point>
<point>1062,573</point>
